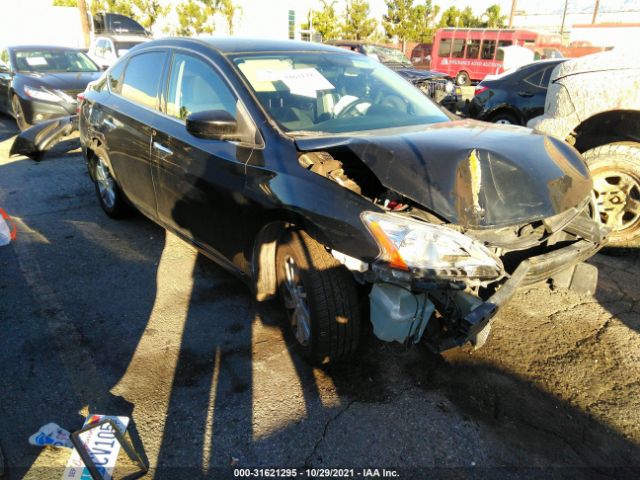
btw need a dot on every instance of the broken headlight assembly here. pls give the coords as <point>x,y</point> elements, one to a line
<point>433,251</point>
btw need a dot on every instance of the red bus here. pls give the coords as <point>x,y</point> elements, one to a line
<point>471,53</point>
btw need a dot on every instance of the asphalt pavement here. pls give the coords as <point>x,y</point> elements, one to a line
<point>121,318</point>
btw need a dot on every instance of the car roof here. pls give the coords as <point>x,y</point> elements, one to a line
<point>123,37</point>
<point>40,47</point>
<point>247,45</point>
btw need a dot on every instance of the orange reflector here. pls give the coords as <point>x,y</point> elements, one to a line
<point>395,259</point>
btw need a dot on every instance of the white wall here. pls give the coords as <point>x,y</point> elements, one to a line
<point>37,22</point>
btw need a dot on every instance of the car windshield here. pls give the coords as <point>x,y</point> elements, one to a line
<point>318,92</point>
<point>48,61</point>
<point>386,55</point>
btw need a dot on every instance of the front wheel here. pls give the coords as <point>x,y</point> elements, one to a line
<point>320,297</point>
<point>615,169</point>
<point>18,113</point>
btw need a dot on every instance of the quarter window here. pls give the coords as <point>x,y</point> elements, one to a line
<point>142,77</point>
<point>488,49</point>
<point>115,77</point>
<point>546,77</point>
<point>195,87</point>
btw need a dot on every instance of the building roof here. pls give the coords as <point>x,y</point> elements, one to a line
<point>605,25</point>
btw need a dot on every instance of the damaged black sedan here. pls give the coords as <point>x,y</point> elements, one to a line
<point>317,174</point>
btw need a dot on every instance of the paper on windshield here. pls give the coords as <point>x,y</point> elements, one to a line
<point>306,82</point>
<point>36,61</point>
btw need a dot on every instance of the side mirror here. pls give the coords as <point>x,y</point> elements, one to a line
<point>4,68</point>
<point>103,67</point>
<point>212,125</point>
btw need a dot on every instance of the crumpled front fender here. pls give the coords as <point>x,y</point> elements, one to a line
<point>36,140</point>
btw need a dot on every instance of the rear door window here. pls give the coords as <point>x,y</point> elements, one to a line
<point>535,78</point>
<point>546,76</point>
<point>142,78</point>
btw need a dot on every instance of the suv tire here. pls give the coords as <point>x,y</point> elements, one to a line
<point>615,169</point>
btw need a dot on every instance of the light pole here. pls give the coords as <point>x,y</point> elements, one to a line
<point>564,15</point>
<point>513,9</point>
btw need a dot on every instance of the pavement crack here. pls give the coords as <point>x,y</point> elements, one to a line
<point>307,462</point>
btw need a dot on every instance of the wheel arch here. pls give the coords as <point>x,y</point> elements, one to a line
<point>505,109</point>
<point>264,250</point>
<point>606,127</point>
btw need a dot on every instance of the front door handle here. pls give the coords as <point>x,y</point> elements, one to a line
<point>525,94</point>
<point>161,148</point>
<point>109,123</point>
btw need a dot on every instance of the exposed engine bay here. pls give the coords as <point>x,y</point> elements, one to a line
<point>453,305</point>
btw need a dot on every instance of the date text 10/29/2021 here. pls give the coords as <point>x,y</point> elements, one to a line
<point>315,473</point>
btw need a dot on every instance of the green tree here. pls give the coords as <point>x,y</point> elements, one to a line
<point>423,21</point>
<point>325,21</point>
<point>399,20</point>
<point>493,17</point>
<point>468,19</point>
<point>65,3</point>
<point>123,7</point>
<point>150,11</point>
<point>358,25</point>
<point>229,10</point>
<point>194,17</point>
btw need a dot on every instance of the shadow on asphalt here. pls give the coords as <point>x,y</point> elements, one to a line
<point>215,365</point>
<point>8,127</point>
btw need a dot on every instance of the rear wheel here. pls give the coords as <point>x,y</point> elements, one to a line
<point>18,113</point>
<point>320,297</point>
<point>615,169</point>
<point>110,196</point>
<point>462,78</point>
<point>504,118</point>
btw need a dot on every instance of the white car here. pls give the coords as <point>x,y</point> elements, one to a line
<point>593,102</point>
<point>106,49</point>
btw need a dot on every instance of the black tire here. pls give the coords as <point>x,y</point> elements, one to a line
<point>118,207</point>
<point>18,114</point>
<point>615,169</point>
<point>331,298</point>
<point>505,118</point>
<point>462,79</point>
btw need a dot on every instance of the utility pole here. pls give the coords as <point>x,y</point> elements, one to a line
<point>84,21</point>
<point>513,9</point>
<point>595,12</point>
<point>564,15</point>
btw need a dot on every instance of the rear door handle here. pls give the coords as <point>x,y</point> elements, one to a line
<point>161,148</point>
<point>525,94</point>
<point>109,123</point>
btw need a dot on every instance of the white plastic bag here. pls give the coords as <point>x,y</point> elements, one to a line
<point>7,229</point>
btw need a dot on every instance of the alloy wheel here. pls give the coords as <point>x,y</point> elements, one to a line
<point>106,185</point>
<point>295,301</point>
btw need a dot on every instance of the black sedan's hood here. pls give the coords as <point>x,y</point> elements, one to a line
<point>414,75</point>
<point>66,81</point>
<point>471,173</point>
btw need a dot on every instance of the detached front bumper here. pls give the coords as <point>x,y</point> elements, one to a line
<point>477,322</point>
<point>402,303</point>
<point>36,140</point>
